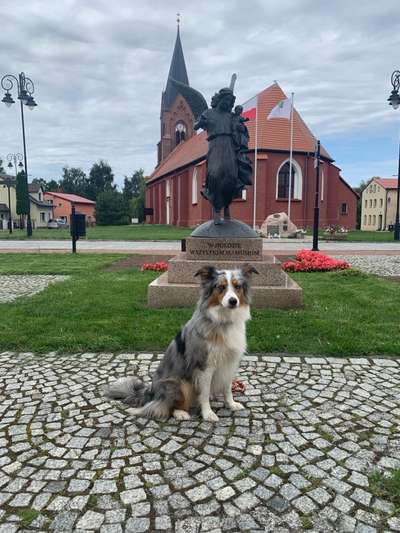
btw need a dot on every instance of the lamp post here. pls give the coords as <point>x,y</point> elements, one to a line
<point>316,198</point>
<point>12,162</point>
<point>394,101</point>
<point>25,88</point>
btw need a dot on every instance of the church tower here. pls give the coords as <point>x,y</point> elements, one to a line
<point>176,115</point>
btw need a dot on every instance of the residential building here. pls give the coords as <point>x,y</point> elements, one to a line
<point>63,202</point>
<point>41,209</point>
<point>378,204</point>
<point>173,190</point>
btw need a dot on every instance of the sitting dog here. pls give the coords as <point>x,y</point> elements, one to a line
<point>203,358</point>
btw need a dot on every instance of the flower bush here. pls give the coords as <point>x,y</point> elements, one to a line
<point>335,229</point>
<point>309,261</point>
<point>160,266</point>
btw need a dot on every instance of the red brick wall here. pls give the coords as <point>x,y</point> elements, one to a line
<point>184,213</point>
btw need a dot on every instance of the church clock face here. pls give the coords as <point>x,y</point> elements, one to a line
<point>180,132</point>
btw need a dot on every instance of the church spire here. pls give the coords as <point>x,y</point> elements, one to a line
<point>177,70</point>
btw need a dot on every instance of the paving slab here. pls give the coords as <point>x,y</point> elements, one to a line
<point>296,459</point>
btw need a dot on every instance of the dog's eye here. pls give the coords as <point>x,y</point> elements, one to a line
<point>238,286</point>
<point>221,288</point>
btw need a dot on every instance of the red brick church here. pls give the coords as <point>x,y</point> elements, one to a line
<point>173,189</point>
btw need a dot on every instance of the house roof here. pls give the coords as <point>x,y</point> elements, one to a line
<point>73,198</point>
<point>272,134</point>
<point>33,187</point>
<point>40,203</point>
<point>387,183</point>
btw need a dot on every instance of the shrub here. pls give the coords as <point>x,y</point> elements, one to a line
<point>309,261</point>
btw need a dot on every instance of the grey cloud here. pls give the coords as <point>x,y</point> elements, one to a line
<point>99,69</point>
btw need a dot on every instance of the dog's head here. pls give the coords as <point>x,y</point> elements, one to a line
<point>229,289</point>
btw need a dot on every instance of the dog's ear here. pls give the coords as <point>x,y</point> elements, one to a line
<point>206,273</point>
<point>248,270</point>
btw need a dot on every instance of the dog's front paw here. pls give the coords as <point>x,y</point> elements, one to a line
<point>209,416</point>
<point>236,406</point>
<point>181,415</point>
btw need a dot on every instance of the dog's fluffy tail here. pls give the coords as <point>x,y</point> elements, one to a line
<point>130,391</point>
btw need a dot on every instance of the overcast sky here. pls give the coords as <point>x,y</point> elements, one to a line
<point>99,68</point>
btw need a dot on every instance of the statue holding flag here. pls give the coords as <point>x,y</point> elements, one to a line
<point>228,167</point>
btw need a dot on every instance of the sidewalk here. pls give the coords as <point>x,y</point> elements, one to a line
<point>297,458</point>
<point>273,246</point>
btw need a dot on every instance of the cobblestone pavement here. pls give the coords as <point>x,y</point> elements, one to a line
<point>382,265</point>
<point>296,459</point>
<point>12,287</point>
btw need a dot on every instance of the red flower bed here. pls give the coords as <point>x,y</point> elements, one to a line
<point>308,261</point>
<point>160,266</point>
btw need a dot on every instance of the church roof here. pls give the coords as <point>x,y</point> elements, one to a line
<point>273,134</point>
<point>177,71</point>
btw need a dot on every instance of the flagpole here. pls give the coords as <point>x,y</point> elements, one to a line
<point>255,168</point>
<point>290,156</point>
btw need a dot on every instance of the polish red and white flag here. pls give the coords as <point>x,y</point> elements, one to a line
<point>250,108</point>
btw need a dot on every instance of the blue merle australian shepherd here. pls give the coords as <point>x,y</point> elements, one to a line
<point>203,358</point>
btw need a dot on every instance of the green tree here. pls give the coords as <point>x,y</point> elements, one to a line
<point>134,191</point>
<point>2,171</point>
<point>22,194</point>
<point>42,183</point>
<point>100,180</point>
<point>111,209</point>
<point>134,184</point>
<point>74,181</point>
<point>53,186</point>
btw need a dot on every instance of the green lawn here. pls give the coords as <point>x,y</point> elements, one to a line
<point>161,232</point>
<point>99,310</point>
<point>140,232</point>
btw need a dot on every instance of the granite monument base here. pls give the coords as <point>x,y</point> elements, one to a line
<point>272,287</point>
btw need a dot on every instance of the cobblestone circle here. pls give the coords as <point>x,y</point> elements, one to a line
<point>12,287</point>
<point>382,265</point>
<point>296,459</point>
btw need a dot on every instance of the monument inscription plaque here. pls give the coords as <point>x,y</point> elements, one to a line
<point>221,248</point>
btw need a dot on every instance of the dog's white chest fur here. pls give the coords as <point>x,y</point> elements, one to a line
<point>224,356</point>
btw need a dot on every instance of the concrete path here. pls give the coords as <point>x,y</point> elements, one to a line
<point>277,246</point>
<point>298,458</point>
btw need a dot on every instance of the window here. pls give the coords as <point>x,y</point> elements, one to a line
<point>180,132</point>
<point>374,220</point>
<point>244,194</point>
<point>168,189</point>
<point>389,200</point>
<point>381,202</point>
<point>375,202</point>
<point>343,209</point>
<point>40,196</point>
<point>366,203</point>
<point>42,217</point>
<point>282,182</point>
<point>370,203</point>
<point>365,220</point>
<point>194,186</point>
<point>369,220</point>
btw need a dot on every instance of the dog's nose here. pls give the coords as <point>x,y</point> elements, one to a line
<point>232,302</point>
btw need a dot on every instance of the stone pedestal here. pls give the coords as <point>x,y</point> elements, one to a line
<point>178,287</point>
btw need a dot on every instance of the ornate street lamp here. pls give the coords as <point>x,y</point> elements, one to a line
<point>394,101</point>
<point>12,162</point>
<point>25,89</point>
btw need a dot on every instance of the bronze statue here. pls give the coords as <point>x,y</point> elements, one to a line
<point>228,167</point>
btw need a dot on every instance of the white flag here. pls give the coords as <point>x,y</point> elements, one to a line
<point>281,110</point>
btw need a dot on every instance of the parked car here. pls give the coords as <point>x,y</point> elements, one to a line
<point>55,223</point>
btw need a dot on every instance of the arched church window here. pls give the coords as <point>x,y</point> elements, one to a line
<point>180,132</point>
<point>282,182</point>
